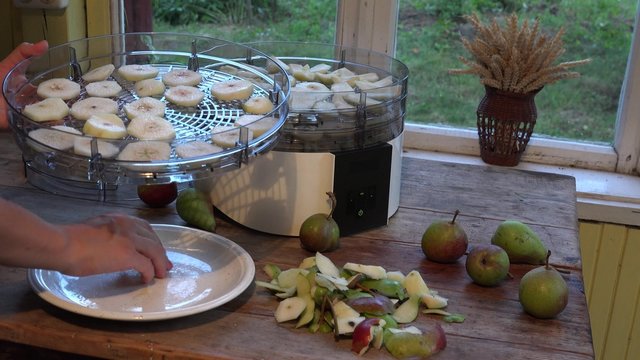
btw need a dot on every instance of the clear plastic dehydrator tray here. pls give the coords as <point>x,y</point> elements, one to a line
<point>324,98</point>
<point>341,98</point>
<point>98,173</point>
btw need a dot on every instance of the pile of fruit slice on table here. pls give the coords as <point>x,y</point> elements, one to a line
<point>372,306</point>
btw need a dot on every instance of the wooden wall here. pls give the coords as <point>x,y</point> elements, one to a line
<point>611,271</point>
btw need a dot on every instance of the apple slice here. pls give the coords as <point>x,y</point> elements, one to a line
<point>290,309</point>
<point>414,284</point>
<point>326,266</point>
<point>365,333</point>
<point>408,310</point>
<point>372,271</point>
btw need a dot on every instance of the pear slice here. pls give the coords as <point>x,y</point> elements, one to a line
<point>326,266</point>
<point>396,275</point>
<point>346,319</point>
<point>407,311</point>
<point>290,309</point>
<point>270,286</point>
<point>289,292</point>
<point>303,286</point>
<point>288,278</point>
<point>308,262</point>
<point>372,271</point>
<point>332,283</point>
<point>415,285</point>
<point>434,301</point>
<point>307,314</point>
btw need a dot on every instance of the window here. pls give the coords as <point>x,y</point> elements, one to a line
<point>622,156</point>
<point>373,24</point>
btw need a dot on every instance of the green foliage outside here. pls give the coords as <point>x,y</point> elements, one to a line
<point>429,43</point>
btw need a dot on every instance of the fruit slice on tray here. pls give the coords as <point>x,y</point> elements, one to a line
<point>305,94</point>
<point>85,108</point>
<point>46,110</point>
<point>183,95</point>
<point>105,88</point>
<point>232,90</point>
<point>149,87</point>
<point>82,146</point>
<point>257,105</point>
<point>58,137</point>
<point>108,126</point>
<point>151,127</point>
<point>62,88</point>
<point>145,151</point>
<point>137,72</point>
<point>195,149</point>
<point>185,77</point>
<point>226,136</point>
<point>145,105</point>
<point>99,74</point>
<point>256,123</point>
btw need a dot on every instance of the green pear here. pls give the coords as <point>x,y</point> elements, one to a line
<point>543,293</point>
<point>520,242</point>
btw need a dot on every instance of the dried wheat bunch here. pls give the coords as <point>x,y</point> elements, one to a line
<point>513,59</point>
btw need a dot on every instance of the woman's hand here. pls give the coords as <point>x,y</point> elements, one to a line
<point>22,52</point>
<point>114,242</point>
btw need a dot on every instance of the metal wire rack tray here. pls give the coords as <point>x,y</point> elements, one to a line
<point>99,165</point>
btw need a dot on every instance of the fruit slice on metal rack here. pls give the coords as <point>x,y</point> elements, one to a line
<point>145,151</point>
<point>257,105</point>
<point>195,149</point>
<point>46,110</point>
<point>85,108</point>
<point>137,72</point>
<point>185,77</point>
<point>151,127</point>
<point>232,90</point>
<point>99,74</point>
<point>145,105</point>
<point>82,146</point>
<point>108,126</point>
<point>105,88</point>
<point>58,137</point>
<point>226,136</point>
<point>183,95</point>
<point>62,88</point>
<point>256,123</point>
<point>149,87</point>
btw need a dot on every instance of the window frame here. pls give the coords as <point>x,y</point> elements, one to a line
<point>372,24</point>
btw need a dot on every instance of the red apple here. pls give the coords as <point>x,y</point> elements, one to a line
<point>158,195</point>
<point>365,333</point>
<point>487,264</point>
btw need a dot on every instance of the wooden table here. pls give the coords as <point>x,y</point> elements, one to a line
<point>495,326</point>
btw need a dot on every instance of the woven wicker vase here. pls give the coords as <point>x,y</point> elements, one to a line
<point>505,125</point>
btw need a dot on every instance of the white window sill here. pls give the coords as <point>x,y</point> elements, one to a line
<point>602,196</point>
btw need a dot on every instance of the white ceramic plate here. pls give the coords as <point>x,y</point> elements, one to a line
<point>208,271</point>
